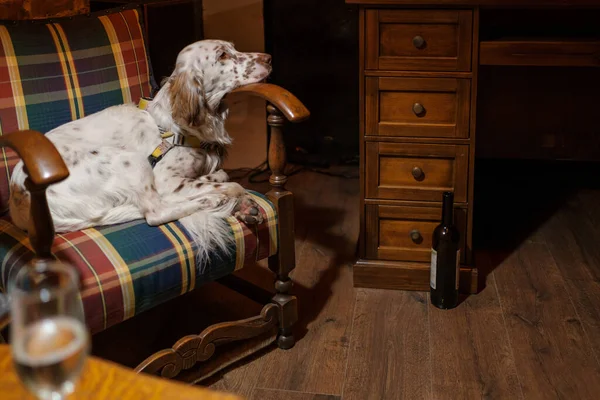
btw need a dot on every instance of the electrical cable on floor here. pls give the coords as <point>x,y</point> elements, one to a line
<point>246,171</point>
<point>253,173</point>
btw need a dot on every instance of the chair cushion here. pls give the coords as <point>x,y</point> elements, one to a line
<point>129,268</point>
<point>52,73</point>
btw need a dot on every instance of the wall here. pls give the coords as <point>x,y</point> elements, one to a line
<point>241,22</point>
<point>538,113</point>
<point>38,9</point>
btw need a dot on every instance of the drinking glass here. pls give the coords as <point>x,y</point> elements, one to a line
<point>49,339</point>
<point>4,311</point>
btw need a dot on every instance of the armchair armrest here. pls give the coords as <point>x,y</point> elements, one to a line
<point>281,103</point>
<point>287,103</point>
<point>43,163</point>
<point>43,166</point>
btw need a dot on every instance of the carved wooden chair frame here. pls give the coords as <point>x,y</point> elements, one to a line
<point>44,167</point>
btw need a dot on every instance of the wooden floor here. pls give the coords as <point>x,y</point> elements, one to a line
<point>532,333</point>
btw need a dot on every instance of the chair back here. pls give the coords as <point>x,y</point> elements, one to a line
<point>56,71</point>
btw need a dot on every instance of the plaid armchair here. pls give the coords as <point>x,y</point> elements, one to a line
<point>52,72</point>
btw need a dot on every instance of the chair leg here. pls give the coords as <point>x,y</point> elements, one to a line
<point>282,264</point>
<point>288,315</point>
<point>284,261</point>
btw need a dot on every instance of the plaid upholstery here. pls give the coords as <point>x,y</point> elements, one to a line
<point>53,73</point>
<point>129,268</point>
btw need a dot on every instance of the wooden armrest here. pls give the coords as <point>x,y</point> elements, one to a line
<point>43,166</point>
<point>287,103</point>
<point>43,163</point>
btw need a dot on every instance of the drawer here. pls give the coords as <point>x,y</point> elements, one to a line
<point>415,171</point>
<point>417,107</point>
<point>425,40</point>
<point>404,233</point>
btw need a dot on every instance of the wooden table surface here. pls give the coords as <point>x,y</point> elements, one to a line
<point>104,380</point>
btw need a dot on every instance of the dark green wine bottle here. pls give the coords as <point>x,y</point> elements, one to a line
<point>445,258</point>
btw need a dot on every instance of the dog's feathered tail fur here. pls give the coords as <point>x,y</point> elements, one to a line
<point>211,233</point>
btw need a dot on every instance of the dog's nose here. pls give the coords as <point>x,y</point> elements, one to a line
<point>265,58</point>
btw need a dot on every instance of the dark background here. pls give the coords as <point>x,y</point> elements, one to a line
<point>314,44</point>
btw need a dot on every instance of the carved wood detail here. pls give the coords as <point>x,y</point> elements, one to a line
<point>193,349</point>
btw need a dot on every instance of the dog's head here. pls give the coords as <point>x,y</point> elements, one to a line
<point>205,72</point>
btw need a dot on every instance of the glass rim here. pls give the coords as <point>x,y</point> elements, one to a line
<point>49,292</point>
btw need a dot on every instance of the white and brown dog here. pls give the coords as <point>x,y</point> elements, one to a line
<point>122,168</point>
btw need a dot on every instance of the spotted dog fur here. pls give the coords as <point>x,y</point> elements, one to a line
<point>111,180</point>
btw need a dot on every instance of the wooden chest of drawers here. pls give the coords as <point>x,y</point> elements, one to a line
<point>417,82</point>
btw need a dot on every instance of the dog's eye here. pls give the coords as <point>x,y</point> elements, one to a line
<point>224,56</point>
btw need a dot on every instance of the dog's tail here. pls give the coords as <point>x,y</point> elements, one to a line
<point>211,233</point>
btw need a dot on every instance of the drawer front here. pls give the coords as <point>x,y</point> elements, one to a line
<point>414,171</point>
<point>417,107</point>
<point>403,233</point>
<point>425,40</point>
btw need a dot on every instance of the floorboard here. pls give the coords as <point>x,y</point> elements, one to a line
<point>270,394</point>
<point>553,356</point>
<point>389,349</point>
<point>588,199</point>
<point>470,345</point>
<point>572,239</point>
<point>241,379</point>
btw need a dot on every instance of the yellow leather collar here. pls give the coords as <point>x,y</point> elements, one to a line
<point>159,152</point>
<point>191,141</point>
<point>143,104</point>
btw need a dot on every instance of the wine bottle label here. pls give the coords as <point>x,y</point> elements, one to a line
<point>433,273</point>
<point>457,267</point>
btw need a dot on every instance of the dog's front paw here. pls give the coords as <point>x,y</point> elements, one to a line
<point>248,211</point>
<point>219,176</point>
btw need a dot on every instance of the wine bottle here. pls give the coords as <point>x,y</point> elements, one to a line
<point>445,258</point>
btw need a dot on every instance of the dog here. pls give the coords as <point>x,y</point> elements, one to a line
<point>122,168</point>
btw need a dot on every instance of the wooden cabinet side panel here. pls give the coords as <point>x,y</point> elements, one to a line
<point>465,42</point>
<point>361,130</point>
<point>371,168</point>
<point>372,39</point>
<point>372,228</point>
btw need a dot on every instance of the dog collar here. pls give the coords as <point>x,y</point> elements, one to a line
<point>178,140</point>
<point>188,141</point>
<point>159,152</point>
<point>143,104</point>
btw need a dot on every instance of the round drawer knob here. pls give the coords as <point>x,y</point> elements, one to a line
<point>419,42</point>
<point>415,236</point>
<point>418,109</point>
<point>418,173</point>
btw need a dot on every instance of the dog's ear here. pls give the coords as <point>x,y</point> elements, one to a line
<point>188,101</point>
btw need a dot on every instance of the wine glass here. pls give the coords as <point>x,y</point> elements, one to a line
<point>4,310</point>
<point>49,339</point>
